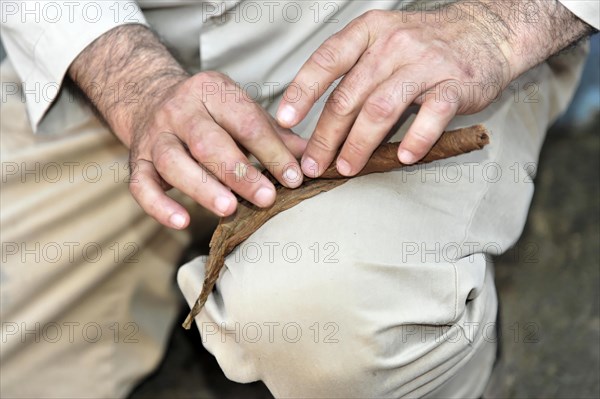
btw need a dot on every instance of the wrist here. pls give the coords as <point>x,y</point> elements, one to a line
<point>125,73</point>
<point>526,33</point>
<point>149,90</point>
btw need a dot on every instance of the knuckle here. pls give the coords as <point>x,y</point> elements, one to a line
<point>373,15</point>
<point>300,93</point>
<point>357,146</point>
<point>434,57</point>
<point>252,125</point>
<point>322,143</point>
<point>403,37</point>
<point>442,108</point>
<point>165,157</point>
<point>207,81</point>
<point>379,108</point>
<point>326,57</point>
<point>204,147</point>
<point>208,77</point>
<point>439,108</point>
<point>422,139</point>
<point>340,102</point>
<point>200,150</point>
<point>135,188</point>
<point>190,126</point>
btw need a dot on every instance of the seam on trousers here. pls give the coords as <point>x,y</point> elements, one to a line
<point>486,187</point>
<point>471,350</point>
<point>455,293</point>
<point>444,376</point>
<point>422,381</point>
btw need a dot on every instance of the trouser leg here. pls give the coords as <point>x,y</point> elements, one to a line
<point>87,285</point>
<point>380,288</point>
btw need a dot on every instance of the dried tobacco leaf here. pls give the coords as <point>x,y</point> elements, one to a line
<point>248,218</point>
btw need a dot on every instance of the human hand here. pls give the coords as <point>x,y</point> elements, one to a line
<point>392,59</point>
<point>389,60</point>
<point>191,140</point>
<point>185,131</point>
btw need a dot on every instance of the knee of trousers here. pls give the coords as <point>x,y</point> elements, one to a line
<point>313,316</point>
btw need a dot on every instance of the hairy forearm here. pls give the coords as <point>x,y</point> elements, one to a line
<point>124,73</point>
<point>527,32</point>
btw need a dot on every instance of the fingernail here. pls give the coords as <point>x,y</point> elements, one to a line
<point>310,167</point>
<point>264,196</point>
<point>177,220</point>
<point>343,167</point>
<point>292,176</point>
<point>407,157</point>
<point>222,204</point>
<point>287,115</point>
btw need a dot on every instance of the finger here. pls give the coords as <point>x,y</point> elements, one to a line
<point>247,123</point>
<point>335,57</point>
<point>342,109</point>
<point>294,143</point>
<point>218,153</point>
<point>177,168</point>
<point>146,189</point>
<point>380,112</point>
<point>431,120</point>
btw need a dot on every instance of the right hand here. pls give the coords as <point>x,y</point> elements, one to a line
<point>189,140</point>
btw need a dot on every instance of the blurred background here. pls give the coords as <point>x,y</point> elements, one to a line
<point>549,283</point>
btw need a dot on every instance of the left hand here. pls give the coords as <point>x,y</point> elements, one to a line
<point>390,60</point>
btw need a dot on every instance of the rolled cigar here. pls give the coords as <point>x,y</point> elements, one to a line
<point>234,229</point>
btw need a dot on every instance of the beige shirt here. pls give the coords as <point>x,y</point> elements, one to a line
<point>43,38</point>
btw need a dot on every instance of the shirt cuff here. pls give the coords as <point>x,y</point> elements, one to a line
<point>43,50</point>
<point>587,10</point>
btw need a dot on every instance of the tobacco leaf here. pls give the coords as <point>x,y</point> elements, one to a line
<point>248,218</point>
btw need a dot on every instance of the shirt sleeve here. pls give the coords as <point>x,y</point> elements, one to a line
<point>586,10</point>
<point>43,38</point>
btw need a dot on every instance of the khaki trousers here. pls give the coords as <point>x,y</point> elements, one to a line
<point>87,279</point>
<point>383,287</point>
<point>379,288</point>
